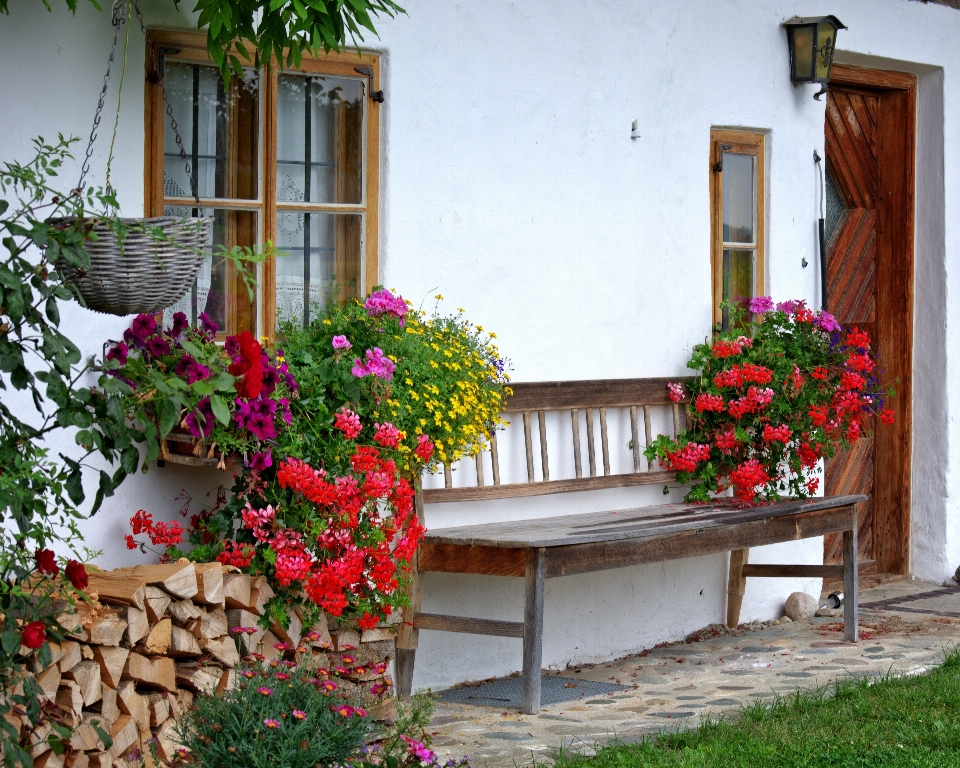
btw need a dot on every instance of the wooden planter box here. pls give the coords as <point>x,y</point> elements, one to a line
<point>180,447</point>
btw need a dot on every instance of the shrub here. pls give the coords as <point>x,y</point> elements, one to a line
<point>773,398</point>
<point>278,715</point>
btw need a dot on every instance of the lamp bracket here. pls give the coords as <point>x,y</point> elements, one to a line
<point>718,166</point>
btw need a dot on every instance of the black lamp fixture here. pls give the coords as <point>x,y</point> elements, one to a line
<point>812,41</point>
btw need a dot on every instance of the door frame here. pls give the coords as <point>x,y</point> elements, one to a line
<point>894,304</point>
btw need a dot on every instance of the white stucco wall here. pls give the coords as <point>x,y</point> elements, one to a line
<point>510,184</point>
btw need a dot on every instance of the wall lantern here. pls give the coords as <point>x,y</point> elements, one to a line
<point>812,41</point>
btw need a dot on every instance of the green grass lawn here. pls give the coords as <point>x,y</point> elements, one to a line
<point>911,721</point>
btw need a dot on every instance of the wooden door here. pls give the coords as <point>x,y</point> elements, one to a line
<point>869,133</point>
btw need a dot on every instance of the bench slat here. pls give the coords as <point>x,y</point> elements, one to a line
<point>648,433</point>
<point>518,490</point>
<point>575,421</point>
<point>495,459</point>
<point>544,460</point>
<point>528,444</point>
<point>604,445</point>
<point>591,448</point>
<point>636,523</point>
<point>602,393</point>
<point>635,437</point>
<point>471,626</point>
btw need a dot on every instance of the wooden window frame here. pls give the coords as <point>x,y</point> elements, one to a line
<point>746,143</point>
<point>192,48</point>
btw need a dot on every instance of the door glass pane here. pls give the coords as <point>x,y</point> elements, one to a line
<point>737,279</point>
<point>319,139</point>
<point>835,205</point>
<point>320,261</point>
<point>219,129</point>
<point>738,198</point>
<point>217,281</point>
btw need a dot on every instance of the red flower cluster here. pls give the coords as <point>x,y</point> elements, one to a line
<point>755,400</point>
<point>161,534</point>
<point>780,434</point>
<point>687,458</point>
<point>738,375</point>
<point>708,402</point>
<point>747,478</point>
<point>248,365</point>
<point>237,555</point>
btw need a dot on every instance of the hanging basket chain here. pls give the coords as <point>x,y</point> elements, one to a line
<point>118,20</point>
<point>158,72</point>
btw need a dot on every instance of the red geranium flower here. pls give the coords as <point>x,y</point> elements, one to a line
<point>77,574</point>
<point>47,562</point>
<point>249,366</point>
<point>34,634</point>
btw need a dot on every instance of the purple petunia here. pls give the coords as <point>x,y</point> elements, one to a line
<point>232,346</point>
<point>180,324</point>
<point>200,421</point>
<point>270,380</point>
<point>261,461</point>
<point>119,353</point>
<point>143,326</point>
<point>209,325</point>
<point>158,347</point>
<point>261,425</point>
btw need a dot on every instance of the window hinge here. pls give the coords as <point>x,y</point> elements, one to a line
<point>718,166</point>
<point>377,96</point>
<point>160,70</point>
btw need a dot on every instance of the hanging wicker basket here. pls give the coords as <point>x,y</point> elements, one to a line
<point>149,267</point>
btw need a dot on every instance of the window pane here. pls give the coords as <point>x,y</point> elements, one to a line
<point>738,198</point>
<point>319,139</point>
<point>321,261</point>
<point>737,279</point>
<point>217,282</point>
<point>219,128</point>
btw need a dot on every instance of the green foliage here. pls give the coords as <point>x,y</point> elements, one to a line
<point>268,722</point>
<point>40,494</point>
<point>248,31</point>
<point>71,4</point>
<point>908,722</point>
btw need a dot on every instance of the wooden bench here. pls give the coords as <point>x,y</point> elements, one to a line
<point>550,547</point>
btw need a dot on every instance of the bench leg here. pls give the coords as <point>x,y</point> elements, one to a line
<point>533,631</point>
<point>408,636</point>
<point>850,579</point>
<point>736,586</point>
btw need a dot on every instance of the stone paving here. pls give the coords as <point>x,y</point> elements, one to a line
<point>713,672</point>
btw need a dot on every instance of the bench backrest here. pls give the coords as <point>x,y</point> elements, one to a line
<point>533,400</point>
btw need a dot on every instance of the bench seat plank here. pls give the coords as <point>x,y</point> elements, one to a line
<point>626,524</point>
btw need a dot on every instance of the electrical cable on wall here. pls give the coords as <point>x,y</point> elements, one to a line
<point>822,232</point>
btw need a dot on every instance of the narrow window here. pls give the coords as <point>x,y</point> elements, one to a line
<point>737,219</point>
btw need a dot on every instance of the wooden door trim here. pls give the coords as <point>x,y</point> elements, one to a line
<point>894,303</point>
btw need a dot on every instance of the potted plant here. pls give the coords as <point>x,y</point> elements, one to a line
<point>199,402</point>
<point>785,389</point>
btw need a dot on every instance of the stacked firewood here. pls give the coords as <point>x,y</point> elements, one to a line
<point>153,638</point>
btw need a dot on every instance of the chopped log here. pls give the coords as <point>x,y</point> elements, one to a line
<point>86,674</point>
<point>107,706</point>
<point>236,590</point>
<point>293,631</point>
<point>156,603</point>
<point>138,625</point>
<point>159,707</point>
<point>78,760</point>
<point>212,624</point>
<point>100,760</point>
<point>167,742</point>
<point>209,584</point>
<point>183,643</point>
<point>85,736</point>
<point>324,641</point>
<point>38,739</point>
<point>70,697</point>
<point>223,649</point>
<point>184,611</point>
<point>260,593</point>
<point>86,652</point>
<point>70,656</point>
<point>124,735</point>
<point>345,640</point>
<point>200,678</point>
<point>158,640</point>
<point>179,579</point>
<point>133,704</point>
<point>228,681</point>
<point>155,674</point>
<point>112,662</point>
<point>49,680</point>
<point>70,620</point>
<point>56,653</point>
<point>48,760</point>
<point>377,634</point>
<point>106,630</point>
<point>117,587</point>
